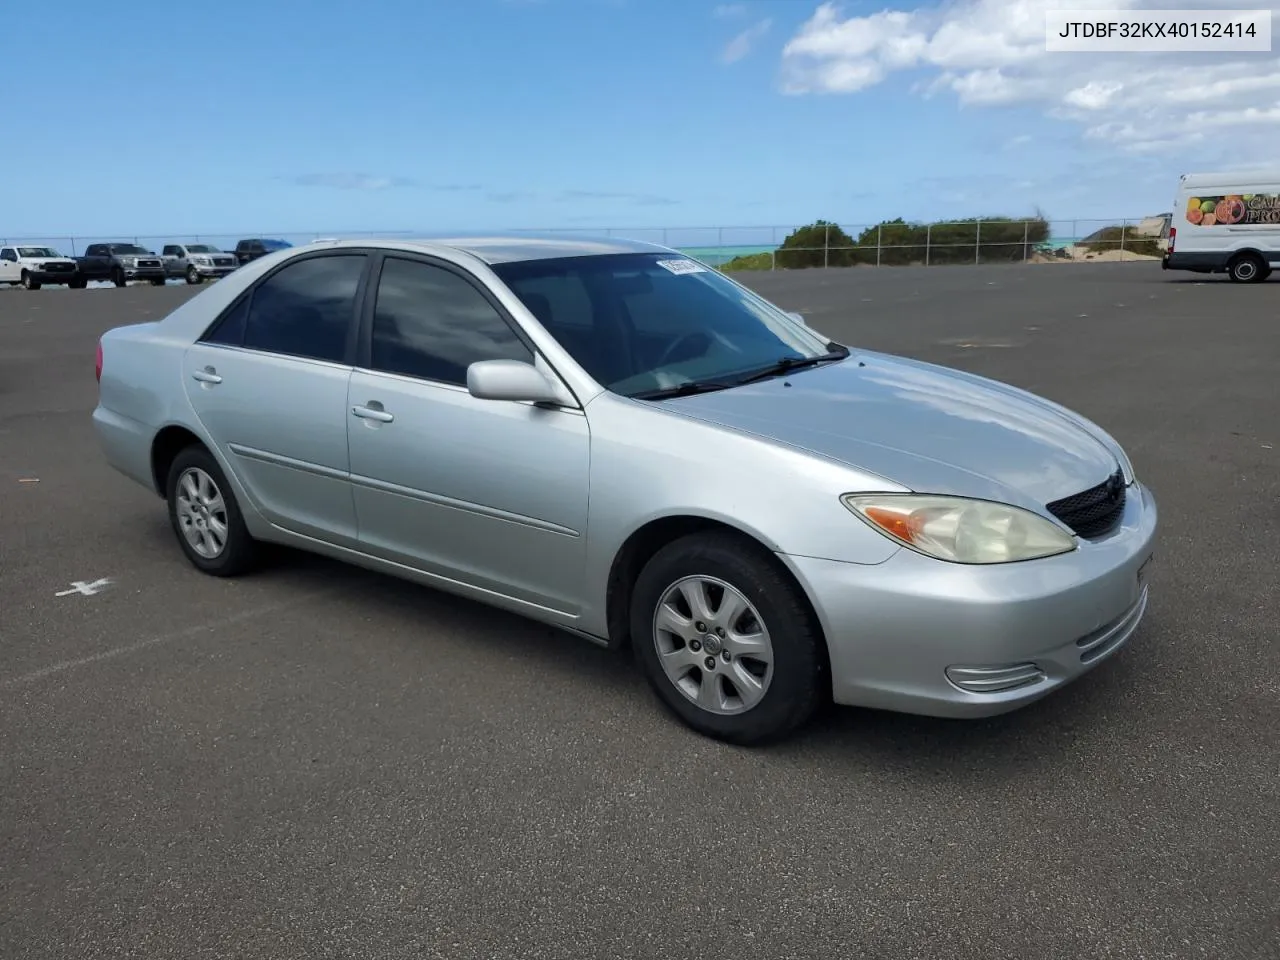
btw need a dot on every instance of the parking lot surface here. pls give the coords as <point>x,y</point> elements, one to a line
<point>317,761</point>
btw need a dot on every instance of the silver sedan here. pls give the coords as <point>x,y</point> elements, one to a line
<point>615,439</point>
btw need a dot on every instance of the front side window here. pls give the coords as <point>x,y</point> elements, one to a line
<point>306,308</point>
<point>431,323</point>
<point>646,322</point>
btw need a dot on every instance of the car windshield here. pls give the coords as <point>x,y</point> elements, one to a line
<point>202,248</point>
<point>37,252</point>
<point>129,248</point>
<point>275,245</point>
<point>644,323</point>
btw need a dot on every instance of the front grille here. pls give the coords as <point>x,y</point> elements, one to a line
<point>148,263</point>
<point>59,267</point>
<point>1094,512</point>
<point>224,261</point>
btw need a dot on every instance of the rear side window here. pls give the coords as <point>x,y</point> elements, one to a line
<point>306,309</point>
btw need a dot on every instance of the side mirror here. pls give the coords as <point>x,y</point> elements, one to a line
<point>512,380</point>
<point>797,317</point>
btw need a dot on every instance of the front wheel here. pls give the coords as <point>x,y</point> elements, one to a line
<point>28,283</point>
<point>727,640</point>
<point>118,278</point>
<point>193,276</point>
<point>206,517</point>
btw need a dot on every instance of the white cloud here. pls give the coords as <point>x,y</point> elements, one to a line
<point>989,53</point>
<point>727,11</point>
<point>741,45</point>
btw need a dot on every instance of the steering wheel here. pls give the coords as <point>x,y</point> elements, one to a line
<point>696,335</point>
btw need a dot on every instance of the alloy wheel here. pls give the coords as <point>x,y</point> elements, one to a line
<point>713,645</point>
<point>202,513</point>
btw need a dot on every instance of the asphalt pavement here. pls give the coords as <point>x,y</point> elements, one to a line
<point>317,761</point>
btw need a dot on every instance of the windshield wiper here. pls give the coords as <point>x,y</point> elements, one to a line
<point>686,389</point>
<point>787,364</point>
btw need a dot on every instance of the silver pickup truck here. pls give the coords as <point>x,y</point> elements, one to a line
<point>197,262</point>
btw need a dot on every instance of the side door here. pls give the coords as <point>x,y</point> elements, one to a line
<point>268,381</point>
<point>172,255</point>
<point>489,493</point>
<point>9,271</point>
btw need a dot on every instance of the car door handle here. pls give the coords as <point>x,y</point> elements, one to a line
<point>207,375</point>
<point>372,413</point>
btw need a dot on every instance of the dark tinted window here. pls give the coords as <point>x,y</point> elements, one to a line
<point>306,309</point>
<point>431,323</point>
<point>230,329</point>
<point>640,322</point>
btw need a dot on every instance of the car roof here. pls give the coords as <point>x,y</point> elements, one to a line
<point>508,248</point>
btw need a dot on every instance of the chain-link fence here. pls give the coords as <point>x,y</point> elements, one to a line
<point>890,243</point>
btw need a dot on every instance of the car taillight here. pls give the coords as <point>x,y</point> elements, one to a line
<point>97,364</point>
<point>1173,235</point>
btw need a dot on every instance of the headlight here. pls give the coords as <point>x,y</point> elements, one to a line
<point>960,530</point>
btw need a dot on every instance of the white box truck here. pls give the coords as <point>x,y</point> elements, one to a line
<point>1226,223</point>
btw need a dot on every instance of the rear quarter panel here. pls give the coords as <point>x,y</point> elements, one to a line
<point>139,394</point>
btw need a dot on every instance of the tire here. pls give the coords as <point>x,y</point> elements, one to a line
<point>193,276</point>
<point>1248,268</point>
<point>194,468</point>
<point>28,283</point>
<point>77,284</point>
<point>158,281</point>
<point>118,278</point>
<point>789,691</point>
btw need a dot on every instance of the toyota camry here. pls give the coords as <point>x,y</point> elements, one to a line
<point>615,439</point>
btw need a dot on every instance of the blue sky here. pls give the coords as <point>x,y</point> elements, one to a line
<point>287,116</point>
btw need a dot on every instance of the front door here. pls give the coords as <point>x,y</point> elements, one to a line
<point>10,271</point>
<point>489,493</point>
<point>269,384</point>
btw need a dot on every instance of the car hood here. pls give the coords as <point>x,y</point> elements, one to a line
<point>45,261</point>
<point>921,426</point>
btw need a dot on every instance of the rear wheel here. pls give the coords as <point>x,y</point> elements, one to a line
<point>1248,268</point>
<point>206,517</point>
<point>727,640</point>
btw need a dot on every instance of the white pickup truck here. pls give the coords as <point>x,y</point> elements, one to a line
<point>33,267</point>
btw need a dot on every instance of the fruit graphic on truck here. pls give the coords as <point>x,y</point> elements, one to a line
<point>1194,215</point>
<point>1230,210</point>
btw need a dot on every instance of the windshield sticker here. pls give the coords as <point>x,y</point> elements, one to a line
<point>679,267</point>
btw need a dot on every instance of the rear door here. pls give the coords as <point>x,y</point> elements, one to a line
<point>269,383</point>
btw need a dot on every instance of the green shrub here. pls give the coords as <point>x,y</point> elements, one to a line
<point>750,261</point>
<point>1109,238</point>
<point>820,244</point>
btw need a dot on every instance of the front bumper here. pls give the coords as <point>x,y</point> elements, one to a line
<point>51,276</point>
<point>214,271</point>
<point>896,630</point>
